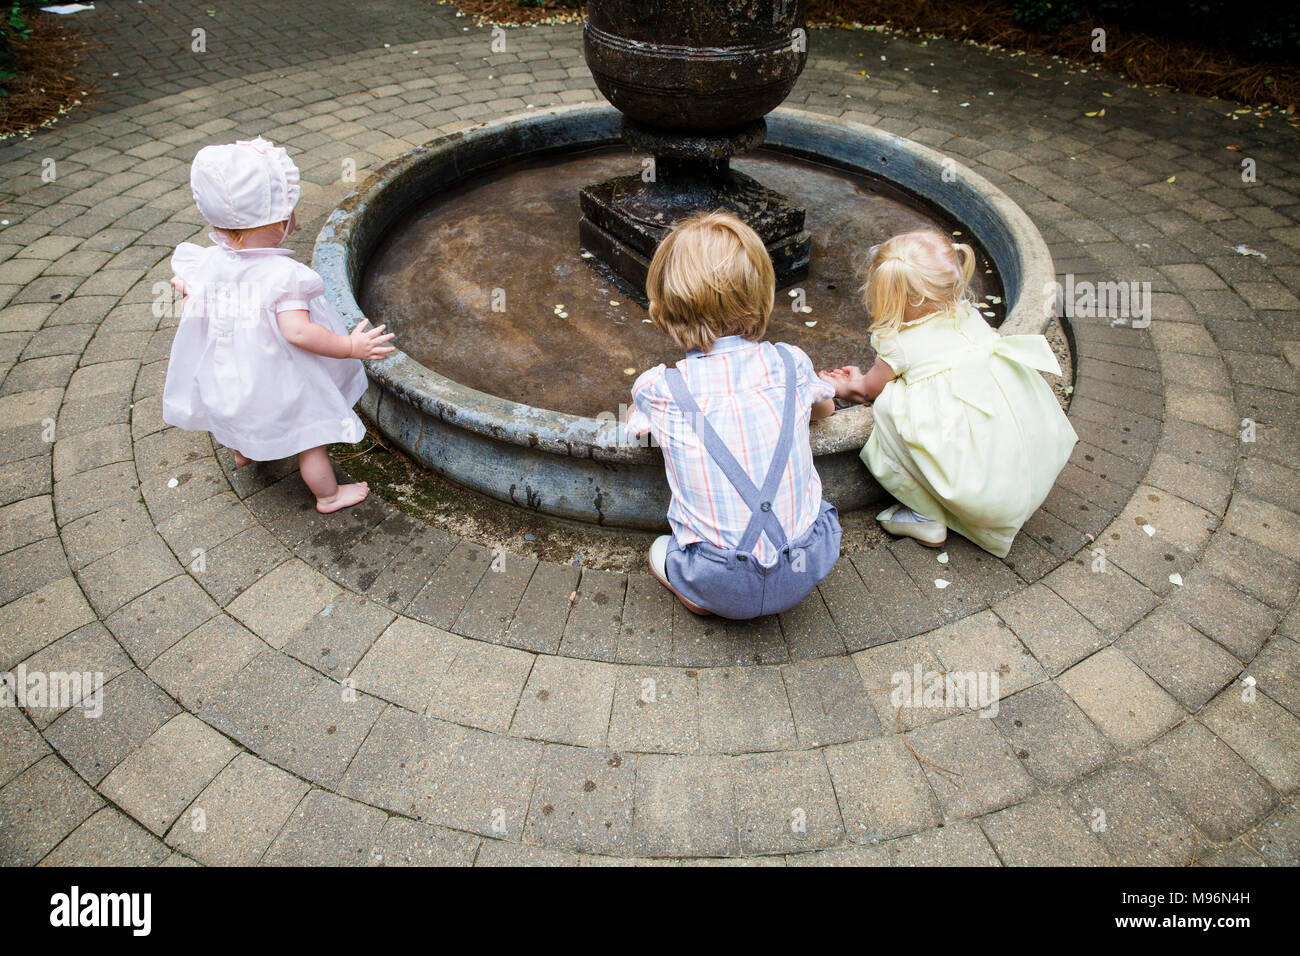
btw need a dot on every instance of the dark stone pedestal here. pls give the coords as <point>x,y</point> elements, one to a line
<point>625,219</point>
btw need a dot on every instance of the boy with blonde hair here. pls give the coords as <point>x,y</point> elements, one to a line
<point>751,533</point>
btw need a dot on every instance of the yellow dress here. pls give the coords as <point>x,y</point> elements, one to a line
<point>968,431</point>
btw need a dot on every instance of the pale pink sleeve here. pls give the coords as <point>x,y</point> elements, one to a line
<point>295,287</point>
<point>185,263</point>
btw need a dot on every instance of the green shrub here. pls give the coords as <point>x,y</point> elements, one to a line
<point>1258,31</point>
<point>1044,17</point>
<point>1253,31</point>
<point>13,29</point>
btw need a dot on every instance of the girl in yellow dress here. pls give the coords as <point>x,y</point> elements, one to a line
<point>968,436</point>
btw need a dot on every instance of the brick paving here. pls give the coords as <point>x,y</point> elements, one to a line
<point>284,688</point>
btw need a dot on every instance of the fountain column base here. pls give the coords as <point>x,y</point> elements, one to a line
<point>625,219</point>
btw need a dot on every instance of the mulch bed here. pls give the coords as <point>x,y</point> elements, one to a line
<point>48,82</point>
<point>1140,58</point>
<point>1188,67</point>
<point>507,13</point>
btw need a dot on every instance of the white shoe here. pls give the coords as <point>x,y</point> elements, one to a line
<point>658,559</point>
<point>659,556</point>
<point>931,533</point>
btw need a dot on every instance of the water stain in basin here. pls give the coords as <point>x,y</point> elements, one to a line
<point>487,285</point>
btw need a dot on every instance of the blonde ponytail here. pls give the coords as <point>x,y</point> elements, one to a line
<point>914,269</point>
<point>966,256</point>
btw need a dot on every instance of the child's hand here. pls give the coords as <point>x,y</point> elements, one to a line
<point>848,381</point>
<point>178,284</point>
<point>366,343</point>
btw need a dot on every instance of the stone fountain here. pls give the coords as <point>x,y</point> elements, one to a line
<point>515,356</point>
<point>694,82</point>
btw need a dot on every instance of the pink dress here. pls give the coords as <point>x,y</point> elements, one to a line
<point>232,373</point>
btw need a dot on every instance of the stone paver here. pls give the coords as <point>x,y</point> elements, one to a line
<point>1217,790</point>
<point>283,687</point>
<point>1128,706</point>
<point>327,830</point>
<point>235,818</point>
<point>404,842</point>
<point>1043,832</point>
<point>109,838</point>
<point>881,789</point>
<point>1050,734</point>
<point>1262,732</point>
<point>157,782</point>
<point>40,807</point>
<point>970,766</point>
<point>1133,818</point>
<point>566,701</point>
<point>1182,660</point>
<point>582,801</point>
<point>685,806</point>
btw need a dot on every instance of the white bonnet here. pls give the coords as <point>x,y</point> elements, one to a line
<point>245,184</point>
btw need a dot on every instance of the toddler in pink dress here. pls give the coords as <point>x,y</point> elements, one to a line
<point>260,358</point>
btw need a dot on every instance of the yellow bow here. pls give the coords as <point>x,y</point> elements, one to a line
<point>971,381</point>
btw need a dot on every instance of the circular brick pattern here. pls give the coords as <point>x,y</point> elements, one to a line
<point>362,688</point>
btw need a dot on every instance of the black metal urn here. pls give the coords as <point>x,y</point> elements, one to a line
<point>693,81</point>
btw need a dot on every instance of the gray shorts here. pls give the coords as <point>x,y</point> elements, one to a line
<point>732,584</point>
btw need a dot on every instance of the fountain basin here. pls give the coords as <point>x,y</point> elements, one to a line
<point>582,467</point>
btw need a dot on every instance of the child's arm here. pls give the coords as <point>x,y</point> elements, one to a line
<point>876,380</point>
<point>179,285</point>
<point>823,409</point>
<point>853,385</point>
<point>364,343</point>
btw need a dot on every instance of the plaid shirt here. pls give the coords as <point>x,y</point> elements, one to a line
<point>740,387</point>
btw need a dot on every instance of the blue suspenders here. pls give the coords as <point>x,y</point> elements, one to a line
<point>759,500</point>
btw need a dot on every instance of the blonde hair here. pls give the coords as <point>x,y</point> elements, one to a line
<point>235,236</point>
<point>912,269</point>
<point>710,277</point>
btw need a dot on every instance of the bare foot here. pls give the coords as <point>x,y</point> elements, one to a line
<point>241,460</point>
<point>345,497</point>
